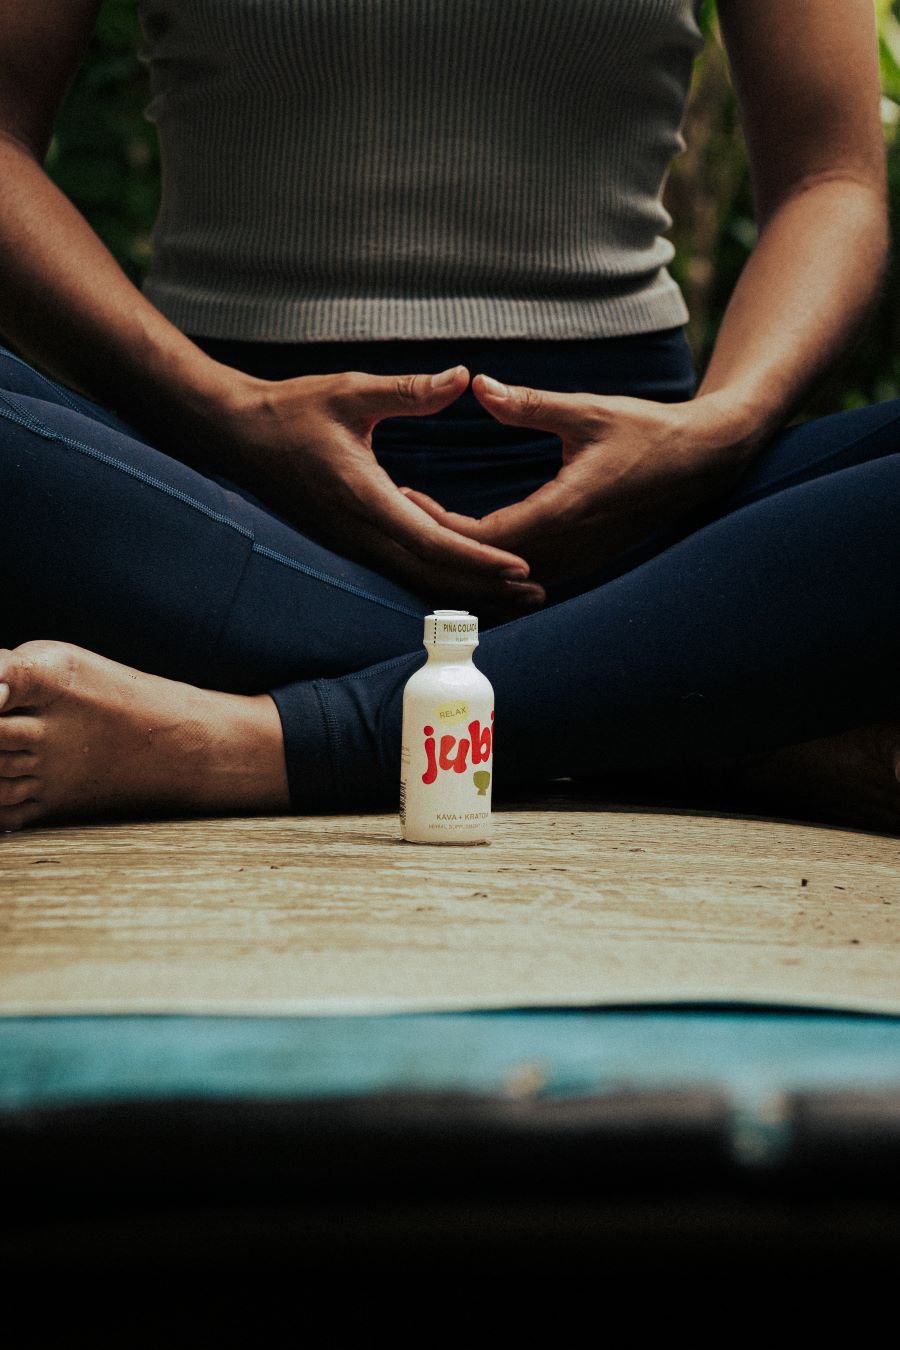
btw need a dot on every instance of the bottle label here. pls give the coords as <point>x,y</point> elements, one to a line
<point>451,628</point>
<point>452,713</point>
<point>446,753</point>
<point>447,771</point>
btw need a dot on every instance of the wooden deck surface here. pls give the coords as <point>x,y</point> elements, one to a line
<point>566,906</point>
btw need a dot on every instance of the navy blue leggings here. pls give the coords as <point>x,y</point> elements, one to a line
<point>770,616</point>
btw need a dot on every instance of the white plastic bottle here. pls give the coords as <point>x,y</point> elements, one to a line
<point>447,756</point>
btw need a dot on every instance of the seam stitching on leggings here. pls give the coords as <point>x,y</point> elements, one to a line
<point>51,384</point>
<point>314,572</point>
<point>16,414</point>
<point>217,640</point>
<point>372,672</point>
<point>331,731</point>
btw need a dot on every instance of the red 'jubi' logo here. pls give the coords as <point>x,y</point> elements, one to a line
<point>453,754</point>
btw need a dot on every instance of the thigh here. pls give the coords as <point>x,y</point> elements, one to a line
<point>796,455</point>
<point>110,544</point>
<point>819,446</point>
<point>777,623</point>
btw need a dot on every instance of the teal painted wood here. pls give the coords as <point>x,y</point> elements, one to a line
<point>751,1055</point>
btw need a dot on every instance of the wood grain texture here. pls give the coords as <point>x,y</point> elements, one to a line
<point>566,906</point>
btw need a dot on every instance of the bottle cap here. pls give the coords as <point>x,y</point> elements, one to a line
<point>451,628</point>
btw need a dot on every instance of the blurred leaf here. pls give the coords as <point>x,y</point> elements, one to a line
<point>707,17</point>
<point>889,68</point>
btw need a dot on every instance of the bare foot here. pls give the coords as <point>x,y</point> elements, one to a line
<point>84,736</point>
<point>847,779</point>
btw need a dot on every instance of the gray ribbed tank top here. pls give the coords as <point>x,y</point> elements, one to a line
<point>340,169</point>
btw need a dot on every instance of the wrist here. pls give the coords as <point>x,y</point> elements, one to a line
<point>723,420</point>
<point>249,429</point>
<point>201,404</point>
<point>222,401</point>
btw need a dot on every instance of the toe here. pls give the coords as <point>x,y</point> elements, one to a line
<point>35,674</point>
<point>15,817</point>
<point>17,763</point>
<point>15,791</point>
<point>20,733</point>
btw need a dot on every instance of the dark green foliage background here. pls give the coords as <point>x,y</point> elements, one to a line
<point>104,156</point>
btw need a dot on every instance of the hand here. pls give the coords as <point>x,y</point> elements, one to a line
<point>629,466</point>
<point>305,446</point>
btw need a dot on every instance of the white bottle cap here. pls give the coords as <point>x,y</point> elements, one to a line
<point>451,628</point>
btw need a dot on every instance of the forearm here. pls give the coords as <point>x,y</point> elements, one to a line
<point>800,302</point>
<point>66,304</point>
